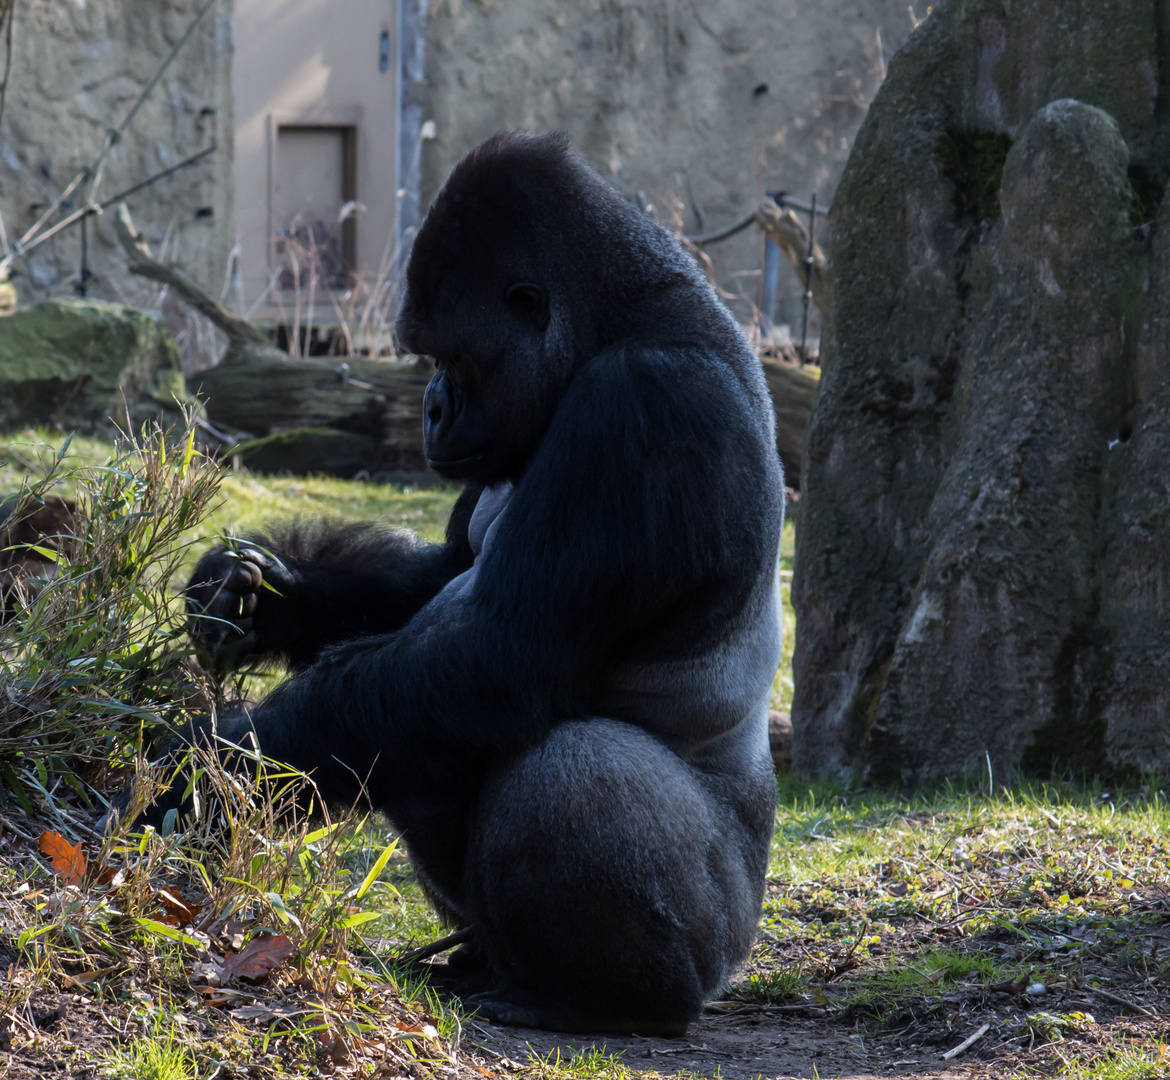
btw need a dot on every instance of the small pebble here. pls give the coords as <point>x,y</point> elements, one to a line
<point>1036,989</point>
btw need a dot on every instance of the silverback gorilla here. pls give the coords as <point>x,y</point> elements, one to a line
<point>563,708</point>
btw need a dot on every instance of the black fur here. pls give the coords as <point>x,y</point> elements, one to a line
<point>571,732</point>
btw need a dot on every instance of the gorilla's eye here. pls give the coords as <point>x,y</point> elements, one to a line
<point>530,302</point>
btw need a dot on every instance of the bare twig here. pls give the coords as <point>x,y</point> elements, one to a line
<point>436,947</point>
<point>967,1043</point>
<point>791,237</point>
<point>241,332</point>
<point>1117,999</point>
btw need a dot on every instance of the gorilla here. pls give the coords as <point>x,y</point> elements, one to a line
<point>30,535</point>
<point>562,708</point>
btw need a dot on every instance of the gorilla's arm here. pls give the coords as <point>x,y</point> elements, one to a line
<point>638,505</point>
<point>308,585</point>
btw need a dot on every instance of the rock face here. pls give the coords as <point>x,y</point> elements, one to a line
<point>78,364</point>
<point>983,563</point>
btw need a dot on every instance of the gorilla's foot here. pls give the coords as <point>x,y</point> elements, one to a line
<point>457,979</point>
<point>516,1008</point>
<point>467,958</point>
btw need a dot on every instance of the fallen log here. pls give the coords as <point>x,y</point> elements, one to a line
<point>378,399</point>
<point>258,392</point>
<point>793,389</point>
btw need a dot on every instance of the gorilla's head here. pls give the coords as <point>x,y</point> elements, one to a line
<point>527,265</point>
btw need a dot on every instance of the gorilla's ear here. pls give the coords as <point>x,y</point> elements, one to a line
<point>529,302</point>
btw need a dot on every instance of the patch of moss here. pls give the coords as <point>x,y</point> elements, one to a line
<point>1074,737</point>
<point>972,161</point>
<point>1147,186</point>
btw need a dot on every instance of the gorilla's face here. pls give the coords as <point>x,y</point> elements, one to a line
<point>457,435</point>
<point>494,297</point>
<point>495,385</point>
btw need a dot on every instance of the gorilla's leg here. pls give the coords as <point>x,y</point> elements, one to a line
<point>610,887</point>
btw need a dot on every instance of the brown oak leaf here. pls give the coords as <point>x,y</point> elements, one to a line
<point>259,959</point>
<point>68,860</point>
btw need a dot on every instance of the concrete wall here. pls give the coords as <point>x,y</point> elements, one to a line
<point>660,97</point>
<point>314,65</point>
<point>78,66</point>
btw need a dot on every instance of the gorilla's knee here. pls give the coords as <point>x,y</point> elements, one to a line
<point>595,874</point>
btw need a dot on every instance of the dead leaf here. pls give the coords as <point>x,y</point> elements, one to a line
<point>229,930</point>
<point>178,911</point>
<point>68,860</point>
<point>259,959</point>
<point>1011,987</point>
<point>333,1048</point>
<point>84,977</point>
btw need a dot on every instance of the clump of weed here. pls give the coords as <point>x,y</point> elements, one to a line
<point>159,1055</point>
<point>767,987</point>
<point>92,657</point>
<point>1128,1061</point>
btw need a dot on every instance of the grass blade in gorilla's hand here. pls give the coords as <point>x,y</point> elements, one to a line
<point>577,681</point>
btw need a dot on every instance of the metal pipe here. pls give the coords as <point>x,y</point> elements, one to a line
<point>808,269</point>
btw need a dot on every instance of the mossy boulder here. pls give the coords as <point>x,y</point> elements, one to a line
<point>983,558</point>
<point>80,364</point>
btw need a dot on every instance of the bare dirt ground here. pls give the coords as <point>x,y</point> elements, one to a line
<point>754,1044</point>
<point>69,1034</point>
<point>1085,1015</point>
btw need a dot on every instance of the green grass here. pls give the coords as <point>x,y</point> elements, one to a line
<point>161,1054</point>
<point>1129,1061</point>
<point>250,502</point>
<point>782,687</point>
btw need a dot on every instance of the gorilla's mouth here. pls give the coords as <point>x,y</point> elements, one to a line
<point>454,468</point>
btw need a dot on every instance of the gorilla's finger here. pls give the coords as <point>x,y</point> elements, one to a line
<point>224,605</point>
<point>248,604</point>
<point>231,651</point>
<point>276,573</point>
<point>245,576</point>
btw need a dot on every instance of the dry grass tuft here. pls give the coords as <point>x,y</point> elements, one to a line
<point>94,655</point>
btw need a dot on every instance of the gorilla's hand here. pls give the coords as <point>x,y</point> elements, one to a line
<point>241,601</point>
<point>203,732</point>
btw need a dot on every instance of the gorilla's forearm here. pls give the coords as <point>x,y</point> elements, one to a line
<point>309,585</point>
<point>369,714</point>
<point>349,582</point>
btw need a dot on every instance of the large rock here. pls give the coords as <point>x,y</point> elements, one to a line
<point>982,568</point>
<point>80,364</point>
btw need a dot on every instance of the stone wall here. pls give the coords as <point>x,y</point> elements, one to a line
<point>78,66</point>
<point>661,97</point>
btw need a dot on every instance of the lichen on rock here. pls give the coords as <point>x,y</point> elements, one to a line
<point>80,364</point>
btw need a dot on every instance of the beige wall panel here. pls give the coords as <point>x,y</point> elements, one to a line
<point>302,63</point>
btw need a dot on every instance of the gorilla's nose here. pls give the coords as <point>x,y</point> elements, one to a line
<point>439,406</point>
